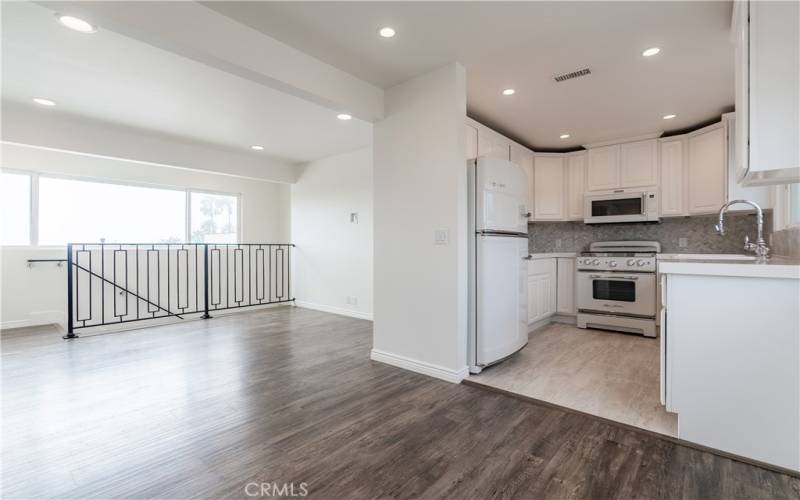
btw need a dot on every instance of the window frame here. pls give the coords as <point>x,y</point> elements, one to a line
<point>33,209</point>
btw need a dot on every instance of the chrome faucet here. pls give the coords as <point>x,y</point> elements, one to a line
<point>760,246</point>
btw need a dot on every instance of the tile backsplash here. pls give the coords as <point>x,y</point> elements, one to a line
<point>698,231</point>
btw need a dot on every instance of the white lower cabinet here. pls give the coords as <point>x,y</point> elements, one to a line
<point>541,289</point>
<point>565,286</point>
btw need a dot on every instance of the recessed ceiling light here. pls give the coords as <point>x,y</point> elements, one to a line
<point>76,24</point>
<point>564,136</point>
<point>257,148</point>
<point>509,92</point>
<point>344,116</point>
<point>386,32</point>
<point>44,102</point>
<point>651,51</point>
<point>669,117</point>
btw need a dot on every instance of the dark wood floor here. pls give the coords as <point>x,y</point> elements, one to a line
<point>201,409</point>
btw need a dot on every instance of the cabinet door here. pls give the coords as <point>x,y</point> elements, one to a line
<point>472,142</point>
<point>603,168</point>
<point>577,183</point>
<point>565,289</point>
<point>524,158</point>
<point>759,194</point>
<point>541,289</point>
<point>672,177</point>
<point>493,145</point>
<point>707,171</point>
<point>639,164</point>
<point>549,186</point>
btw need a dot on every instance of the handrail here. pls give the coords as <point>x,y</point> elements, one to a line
<point>172,278</point>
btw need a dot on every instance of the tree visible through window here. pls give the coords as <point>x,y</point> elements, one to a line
<point>214,218</point>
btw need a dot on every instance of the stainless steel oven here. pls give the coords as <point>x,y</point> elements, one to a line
<point>630,294</point>
<point>616,286</point>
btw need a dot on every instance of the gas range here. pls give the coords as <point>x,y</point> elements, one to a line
<point>616,288</point>
<point>623,256</point>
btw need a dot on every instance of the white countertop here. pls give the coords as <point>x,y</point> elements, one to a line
<point>553,255</point>
<point>719,265</point>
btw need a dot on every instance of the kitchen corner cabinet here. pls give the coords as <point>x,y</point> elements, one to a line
<point>542,284</point>
<point>524,158</point>
<point>736,191</point>
<point>673,153</point>
<point>493,145</point>
<point>549,187</point>
<point>565,285</point>
<point>472,141</point>
<point>576,184</point>
<point>707,170</point>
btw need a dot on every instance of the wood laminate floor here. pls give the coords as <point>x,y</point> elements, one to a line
<point>608,374</point>
<point>202,409</point>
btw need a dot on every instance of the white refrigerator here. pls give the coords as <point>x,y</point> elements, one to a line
<point>498,260</point>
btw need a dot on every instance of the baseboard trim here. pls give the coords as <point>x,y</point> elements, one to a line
<point>423,367</point>
<point>334,310</point>
<point>18,323</point>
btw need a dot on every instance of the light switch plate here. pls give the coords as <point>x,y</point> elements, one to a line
<point>441,237</point>
<point>683,242</point>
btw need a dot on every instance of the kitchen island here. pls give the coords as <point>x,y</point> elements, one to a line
<point>731,355</point>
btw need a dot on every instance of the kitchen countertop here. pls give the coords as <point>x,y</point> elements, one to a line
<point>553,255</point>
<point>775,267</point>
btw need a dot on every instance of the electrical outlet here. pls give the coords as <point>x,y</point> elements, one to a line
<point>683,242</point>
<point>558,244</point>
<point>441,237</point>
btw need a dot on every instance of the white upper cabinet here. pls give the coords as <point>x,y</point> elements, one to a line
<point>673,177</point>
<point>639,164</point>
<point>493,145</point>
<point>603,168</point>
<point>707,170</point>
<point>549,187</point>
<point>767,37</point>
<point>524,158</point>
<point>472,141</point>
<point>736,191</point>
<point>576,184</point>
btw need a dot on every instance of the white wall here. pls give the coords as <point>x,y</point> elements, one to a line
<point>52,129</point>
<point>37,295</point>
<point>420,185</point>
<point>333,257</point>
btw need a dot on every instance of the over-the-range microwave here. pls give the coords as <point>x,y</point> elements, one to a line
<point>621,205</point>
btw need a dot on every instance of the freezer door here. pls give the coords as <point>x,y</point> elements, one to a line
<point>501,196</point>
<point>502,297</point>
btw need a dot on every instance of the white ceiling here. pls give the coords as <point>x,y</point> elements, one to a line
<point>522,45</point>
<point>116,79</point>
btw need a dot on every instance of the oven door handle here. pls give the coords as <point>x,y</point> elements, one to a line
<point>612,278</point>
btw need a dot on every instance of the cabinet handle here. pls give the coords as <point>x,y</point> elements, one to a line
<point>529,257</point>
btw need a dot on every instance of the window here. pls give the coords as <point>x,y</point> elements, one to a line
<point>80,211</point>
<point>15,209</point>
<point>794,203</point>
<point>214,218</point>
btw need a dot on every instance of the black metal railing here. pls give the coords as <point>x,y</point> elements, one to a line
<point>117,283</point>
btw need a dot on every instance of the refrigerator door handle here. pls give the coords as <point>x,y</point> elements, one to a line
<point>529,257</point>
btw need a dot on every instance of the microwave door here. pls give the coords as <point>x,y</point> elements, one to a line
<point>623,207</point>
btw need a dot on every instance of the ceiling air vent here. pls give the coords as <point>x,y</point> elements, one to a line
<point>574,74</point>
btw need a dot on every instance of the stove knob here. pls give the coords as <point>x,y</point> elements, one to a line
<point>631,262</point>
<point>612,264</point>
<point>640,262</point>
<point>596,262</point>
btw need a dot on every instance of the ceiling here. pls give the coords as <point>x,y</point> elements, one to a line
<point>116,79</point>
<point>523,45</point>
